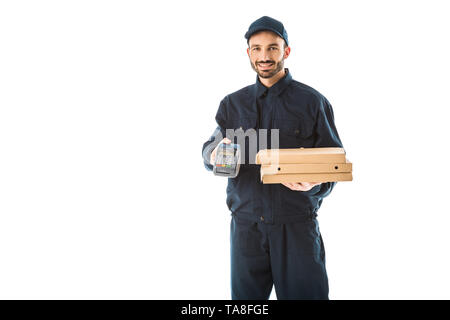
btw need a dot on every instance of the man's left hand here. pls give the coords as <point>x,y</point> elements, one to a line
<point>301,186</point>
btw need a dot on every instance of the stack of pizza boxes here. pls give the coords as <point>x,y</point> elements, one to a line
<point>304,165</point>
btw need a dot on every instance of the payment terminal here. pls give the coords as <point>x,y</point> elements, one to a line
<point>228,159</point>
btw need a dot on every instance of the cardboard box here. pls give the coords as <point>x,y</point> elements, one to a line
<point>306,177</point>
<point>304,165</point>
<point>283,168</point>
<point>301,155</point>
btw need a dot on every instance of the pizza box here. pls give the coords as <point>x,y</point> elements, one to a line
<point>301,155</point>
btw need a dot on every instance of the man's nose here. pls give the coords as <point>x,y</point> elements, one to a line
<point>265,55</point>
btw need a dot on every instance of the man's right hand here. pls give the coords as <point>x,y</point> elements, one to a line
<point>212,158</point>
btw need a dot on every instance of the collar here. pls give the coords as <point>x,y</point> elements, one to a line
<point>277,88</point>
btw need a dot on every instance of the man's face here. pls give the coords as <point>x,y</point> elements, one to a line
<point>267,53</point>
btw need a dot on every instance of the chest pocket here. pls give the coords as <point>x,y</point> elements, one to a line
<point>294,133</point>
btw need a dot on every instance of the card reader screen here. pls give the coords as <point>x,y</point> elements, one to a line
<point>226,158</point>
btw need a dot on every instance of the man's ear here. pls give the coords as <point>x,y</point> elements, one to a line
<point>248,52</point>
<point>287,52</point>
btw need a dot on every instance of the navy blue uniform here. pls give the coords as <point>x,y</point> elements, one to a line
<point>275,237</point>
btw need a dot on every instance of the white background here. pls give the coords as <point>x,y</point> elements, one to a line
<point>105,105</point>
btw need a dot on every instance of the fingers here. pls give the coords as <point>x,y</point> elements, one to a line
<point>305,184</point>
<point>310,184</point>
<point>294,186</point>
<point>301,186</point>
<point>212,158</point>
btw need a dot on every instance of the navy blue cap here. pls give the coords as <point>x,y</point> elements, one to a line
<point>269,24</point>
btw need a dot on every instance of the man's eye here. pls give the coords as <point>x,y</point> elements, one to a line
<point>273,48</point>
<point>255,49</point>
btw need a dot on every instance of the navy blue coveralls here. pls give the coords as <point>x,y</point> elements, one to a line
<point>275,237</point>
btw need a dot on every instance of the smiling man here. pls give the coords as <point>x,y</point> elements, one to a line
<point>275,237</point>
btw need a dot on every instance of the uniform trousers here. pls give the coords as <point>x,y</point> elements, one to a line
<point>289,256</point>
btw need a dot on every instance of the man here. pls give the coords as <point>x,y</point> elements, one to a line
<point>275,237</point>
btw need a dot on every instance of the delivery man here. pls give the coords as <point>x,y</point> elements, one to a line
<point>275,237</point>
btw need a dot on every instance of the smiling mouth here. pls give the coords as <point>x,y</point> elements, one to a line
<point>265,65</point>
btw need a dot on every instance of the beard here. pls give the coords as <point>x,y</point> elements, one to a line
<point>268,73</point>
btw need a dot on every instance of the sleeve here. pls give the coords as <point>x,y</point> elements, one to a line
<point>216,137</point>
<point>326,136</point>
